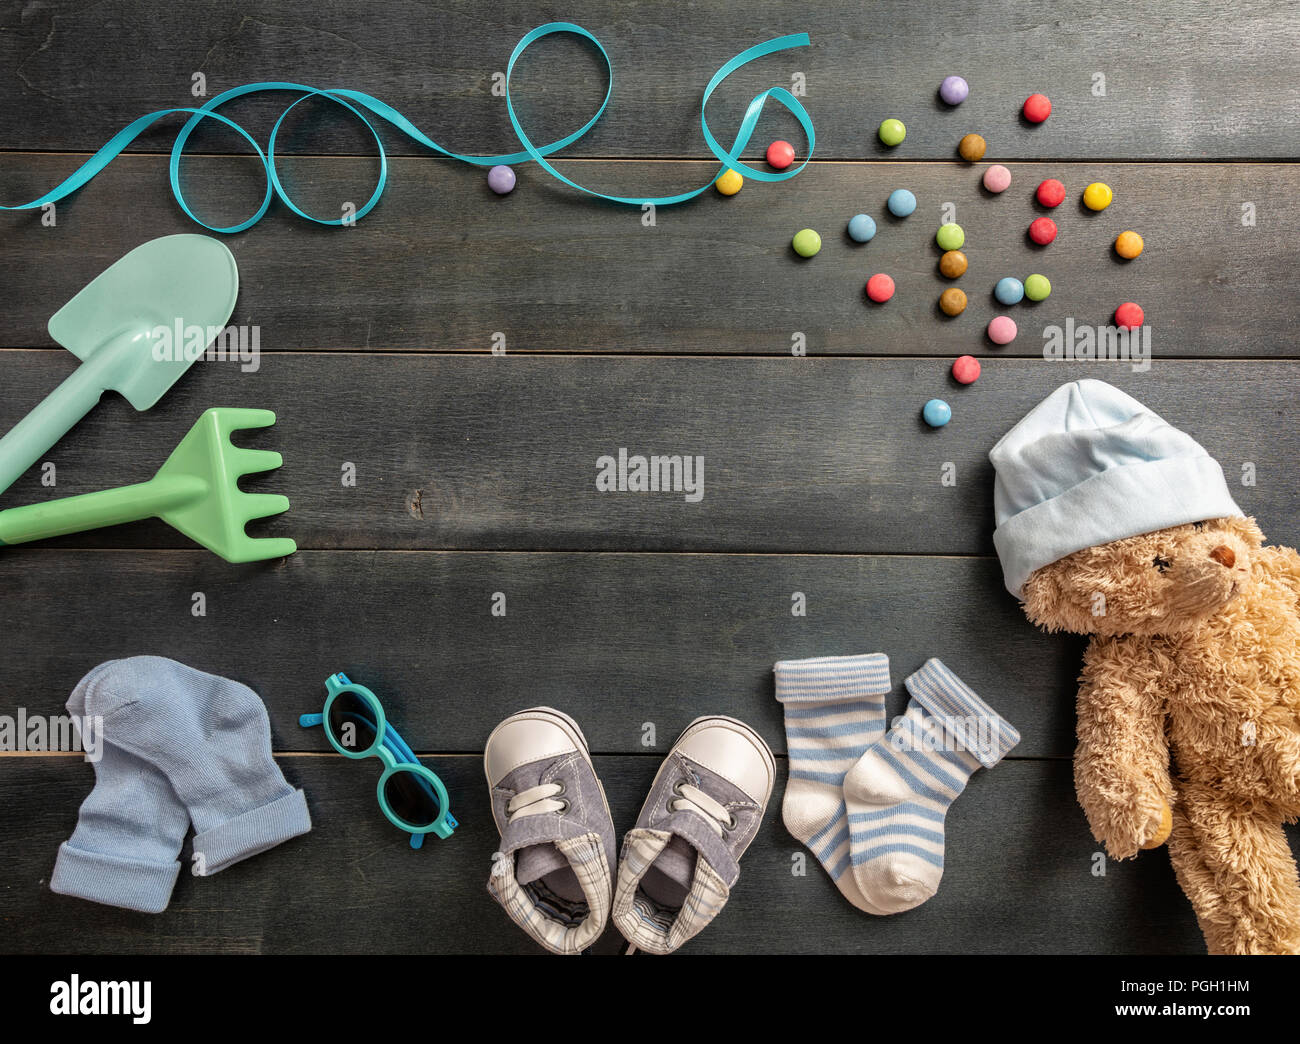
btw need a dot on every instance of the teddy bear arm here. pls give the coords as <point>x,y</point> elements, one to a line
<point>1121,764</point>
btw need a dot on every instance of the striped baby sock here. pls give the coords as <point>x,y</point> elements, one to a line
<point>899,792</point>
<point>834,710</point>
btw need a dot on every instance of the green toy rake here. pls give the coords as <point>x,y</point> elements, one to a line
<point>196,491</point>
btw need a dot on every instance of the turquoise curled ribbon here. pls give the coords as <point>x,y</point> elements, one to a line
<point>356,101</point>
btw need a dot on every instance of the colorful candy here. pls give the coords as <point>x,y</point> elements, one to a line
<point>892,132</point>
<point>880,288</point>
<point>1097,196</point>
<point>1042,230</point>
<point>1037,287</point>
<point>997,178</point>
<point>1050,193</point>
<point>1009,290</point>
<point>954,90</point>
<point>1002,329</point>
<point>729,182</point>
<point>1037,108</point>
<point>952,301</point>
<point>780,154</point>
<point>966,369</point>
<point>901,203</point>
<point>1128,245</point>
<point>861,228</point>
<point>971,148</point>
<point>501,179</point>
<point>952,264</point>
<point>1129,316</point>
<point>937,413</point>
<point>806,242</point>
<point>950,236</point>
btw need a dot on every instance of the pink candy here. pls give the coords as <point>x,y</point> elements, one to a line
<point>1002,329</point>
<point>997,178</point>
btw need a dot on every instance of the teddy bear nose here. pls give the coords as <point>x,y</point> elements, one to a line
<point>1224,556</point>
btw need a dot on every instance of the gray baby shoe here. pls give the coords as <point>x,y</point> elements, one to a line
<point>680,861</point>
<point>554,871</point>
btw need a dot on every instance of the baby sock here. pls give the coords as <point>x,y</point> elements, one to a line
<point>129,829</point>
<point>211,738</point>
<point>834,710</point>
<point>899,793</point>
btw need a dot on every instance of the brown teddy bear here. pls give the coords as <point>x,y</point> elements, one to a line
<point>1114,524</point>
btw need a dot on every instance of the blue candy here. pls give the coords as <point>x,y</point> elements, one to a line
<point>937,413</point>
<point>901,203</point>
<point>1009,291</point>
<point>861,228</point>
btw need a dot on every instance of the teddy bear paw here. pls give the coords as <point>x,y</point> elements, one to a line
<point>1159,834</point>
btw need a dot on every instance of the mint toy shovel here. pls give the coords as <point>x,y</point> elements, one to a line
<point>196,491</point>
<point>184,285</point>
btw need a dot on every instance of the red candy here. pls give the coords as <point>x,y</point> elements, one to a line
<point>1042,230</point>
<point>1129,316</point>
<point>880,288</point>
<point>1051,193</point>
<point>966,370</point>
<point>780,154</point>
<point>1037,108</point>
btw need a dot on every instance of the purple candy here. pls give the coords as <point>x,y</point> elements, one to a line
<point>501,180</point>
<point>953,90</point>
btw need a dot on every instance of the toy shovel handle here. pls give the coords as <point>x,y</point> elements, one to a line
<point>110,507</point>
<point>36,434</point>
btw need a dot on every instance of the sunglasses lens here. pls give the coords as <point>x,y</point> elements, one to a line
<point>352,722</point>
<point>412,799</point>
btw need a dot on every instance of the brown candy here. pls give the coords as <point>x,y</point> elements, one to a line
<point>952,264</point>
<point>972,148</point>
<point>952,301</point>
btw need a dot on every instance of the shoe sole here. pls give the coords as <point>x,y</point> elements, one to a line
<point>570,728</point>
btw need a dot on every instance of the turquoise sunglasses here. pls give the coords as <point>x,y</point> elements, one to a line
<point>410,795</point>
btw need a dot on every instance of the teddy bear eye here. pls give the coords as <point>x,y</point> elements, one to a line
<point>1161,563</point>
<point>1198,525</point>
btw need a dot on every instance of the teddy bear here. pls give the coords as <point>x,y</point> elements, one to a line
<point>1114,524</point>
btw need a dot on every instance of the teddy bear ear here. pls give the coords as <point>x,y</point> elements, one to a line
<point>1246,528</point>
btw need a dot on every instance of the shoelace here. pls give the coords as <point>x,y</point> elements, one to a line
<point>693,799</point>
<point>536,801</point>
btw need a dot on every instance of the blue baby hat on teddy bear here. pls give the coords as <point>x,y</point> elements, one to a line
<point>1089,465</point>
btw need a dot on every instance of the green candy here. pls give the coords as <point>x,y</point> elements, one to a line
<point>950,237</point>
<point>892,132</point>
<point>1037,287</point>
<point>806,242</point>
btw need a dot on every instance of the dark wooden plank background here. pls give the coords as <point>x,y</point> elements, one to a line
<point>800,455</point>
<point>476,473</point>
<point>444,265</point>
<point>1184,80</point>
<point>623,638</point>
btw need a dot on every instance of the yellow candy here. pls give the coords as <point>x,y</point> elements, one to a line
<point>729,182</point>
<point>1097,196</point>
